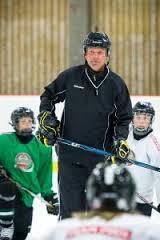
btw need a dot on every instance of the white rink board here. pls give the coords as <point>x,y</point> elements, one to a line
<point>9,103</point>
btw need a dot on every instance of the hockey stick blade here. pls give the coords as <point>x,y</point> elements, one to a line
<point>105,153</point>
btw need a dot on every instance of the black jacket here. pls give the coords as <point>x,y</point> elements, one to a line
<point>94,111</point>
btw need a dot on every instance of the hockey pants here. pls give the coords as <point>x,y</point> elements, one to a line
<point>13,210</point>
<point>144,209</point>
<point>72,184</point>
<point>7,202</point>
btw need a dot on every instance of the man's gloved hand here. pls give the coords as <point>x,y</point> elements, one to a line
<point>121,148</point>
<point>49,128</point>
<point>53,200</point>
<point>47,138</point>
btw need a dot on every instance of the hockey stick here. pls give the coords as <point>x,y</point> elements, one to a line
<point>25,189</point>
<point>105,153</point>
<point>31,193</point>
<point>145,201</point>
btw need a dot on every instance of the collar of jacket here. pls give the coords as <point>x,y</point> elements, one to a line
<point>96,76</point>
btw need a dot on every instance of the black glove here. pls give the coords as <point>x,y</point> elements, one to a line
<point>121,148</point>
<point>53,200</point>
<point>47,138</point>
<point>49,128</point>
<point>3,174</point>
<point>158,208</point>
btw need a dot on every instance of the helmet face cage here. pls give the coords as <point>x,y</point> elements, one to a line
<point>143,108</point>
<point>19,113</point>
<point>111,187</point>
<point>97,39</point>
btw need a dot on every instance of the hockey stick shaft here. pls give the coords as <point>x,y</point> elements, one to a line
<point>29,192</point>
<point>145,201</point>
<point>105,153</point>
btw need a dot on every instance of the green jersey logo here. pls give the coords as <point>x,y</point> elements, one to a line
<point>24,162</point>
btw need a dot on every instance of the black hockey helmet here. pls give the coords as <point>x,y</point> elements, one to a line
<point>19,113</point>
<point>96,39</point>
<point>111,187</point>
<point>145,108</point>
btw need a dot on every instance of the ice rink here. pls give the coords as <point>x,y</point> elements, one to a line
<point>42,221</point>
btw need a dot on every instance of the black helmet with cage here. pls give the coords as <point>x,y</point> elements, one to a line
<point>111,188</point>
<point>97,39</point>
<point>19,113</point>
<point>142,107</point>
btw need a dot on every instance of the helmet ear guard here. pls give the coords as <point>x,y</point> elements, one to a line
<point>109,53</point>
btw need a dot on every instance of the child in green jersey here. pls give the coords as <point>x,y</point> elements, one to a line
<point>27,162</point>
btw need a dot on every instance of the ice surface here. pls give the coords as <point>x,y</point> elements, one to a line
<point>42,222</point>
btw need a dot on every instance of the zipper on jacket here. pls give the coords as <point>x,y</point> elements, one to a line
<point>96,91</point>
<point>94,77</point>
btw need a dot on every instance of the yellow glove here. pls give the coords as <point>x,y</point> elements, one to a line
<point>49,128</point>
<point>121,148</point>
<point>112,160</point>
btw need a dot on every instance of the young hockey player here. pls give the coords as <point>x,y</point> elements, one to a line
<point>146,148</point>
<point>111,198</point>
<point>26,161</point>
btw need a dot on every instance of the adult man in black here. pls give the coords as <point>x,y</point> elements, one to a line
<point>97,113</point>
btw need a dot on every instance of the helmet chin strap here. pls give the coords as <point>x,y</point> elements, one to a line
<point>142,132</point>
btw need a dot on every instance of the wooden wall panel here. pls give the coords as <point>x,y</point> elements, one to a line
<point>33,44</point>
<point>133,26</point>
